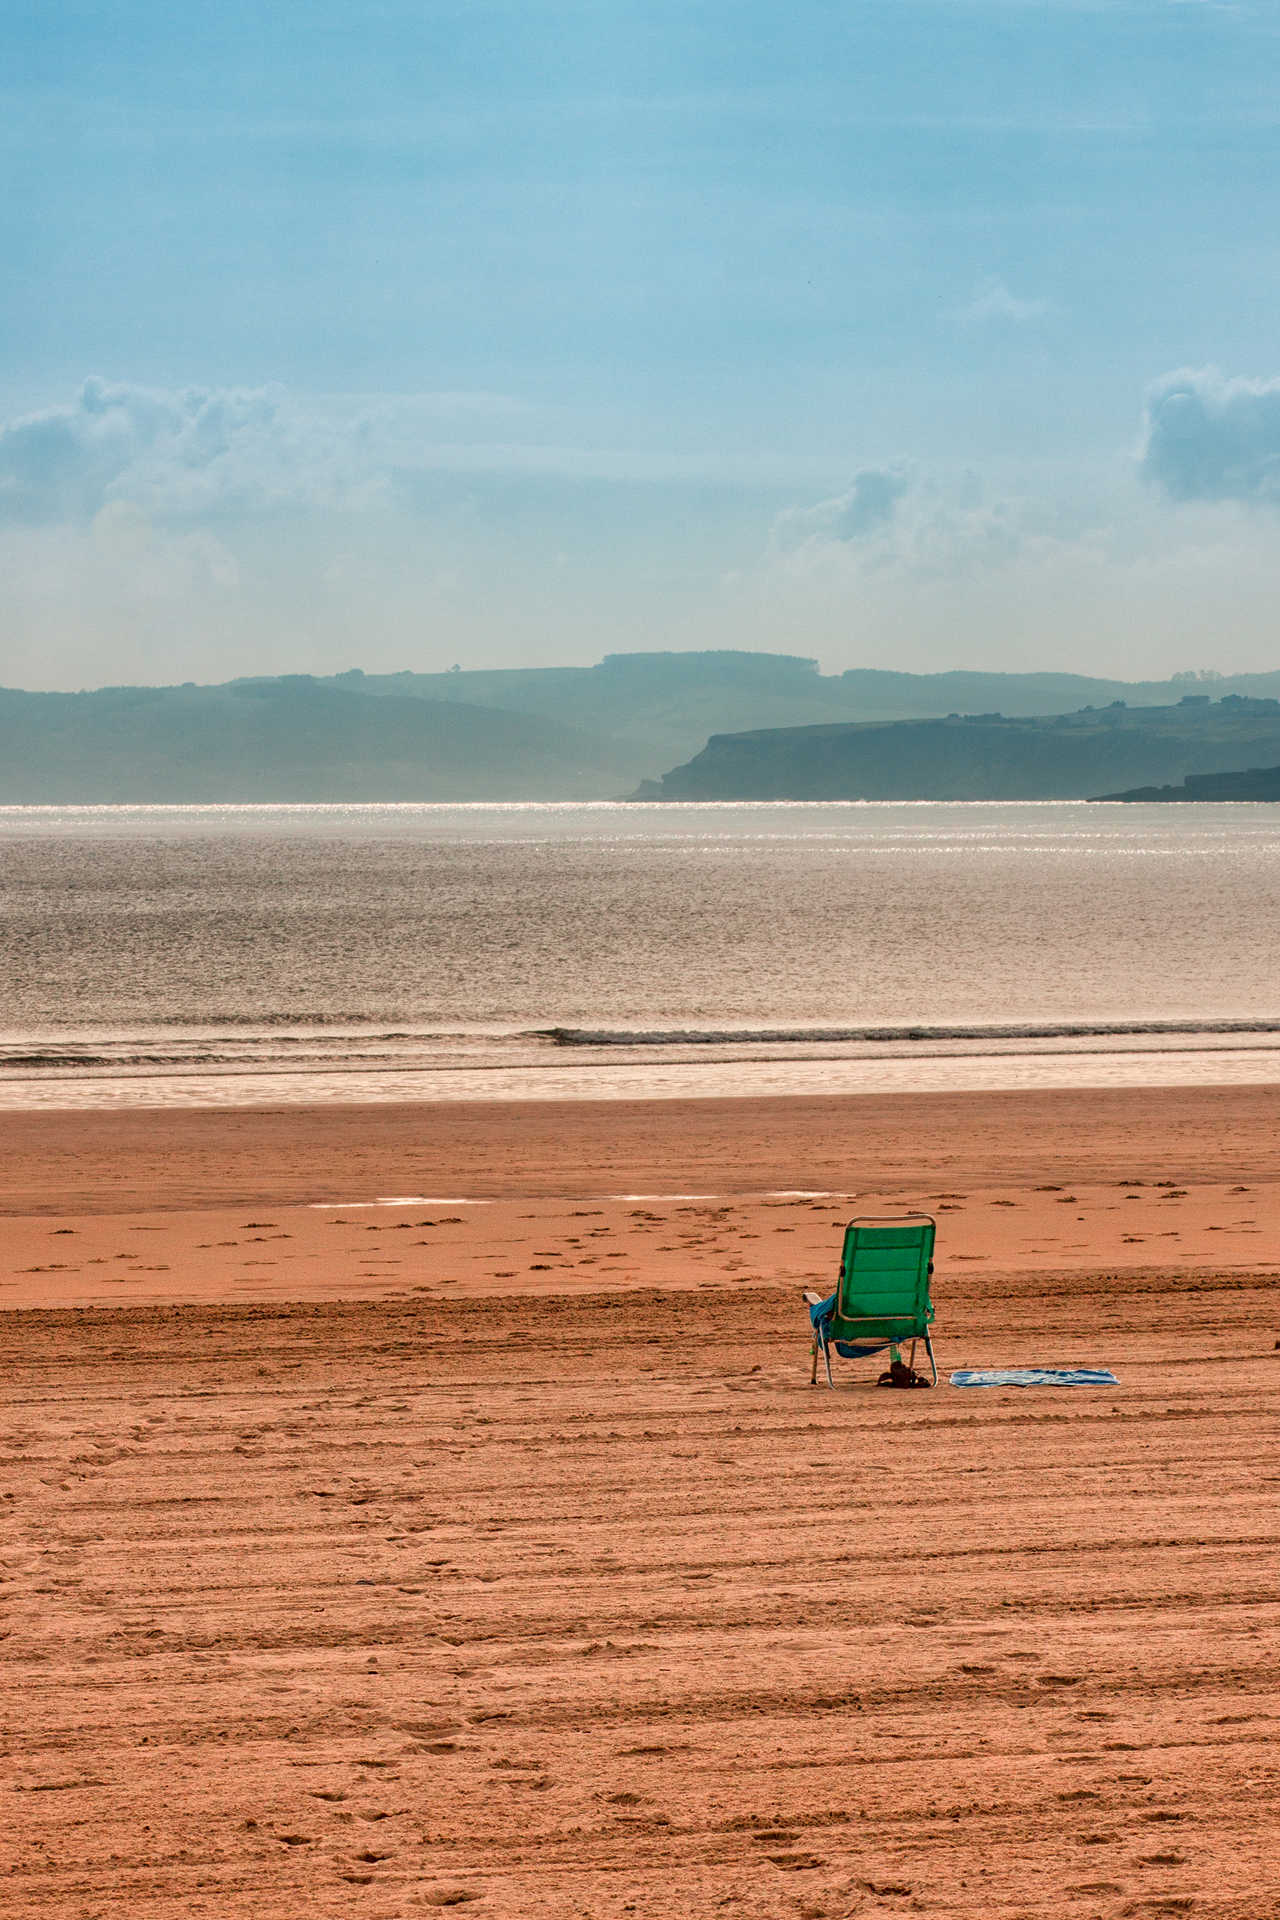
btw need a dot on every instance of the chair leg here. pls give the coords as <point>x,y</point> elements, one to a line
<point>928,1347</point>
<point>813,1371</point>
<point>826,1354</point>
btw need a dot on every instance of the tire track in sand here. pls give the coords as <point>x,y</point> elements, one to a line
<point>590,1606</point>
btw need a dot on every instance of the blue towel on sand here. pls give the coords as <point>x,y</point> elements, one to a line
<point>1034,1377</point>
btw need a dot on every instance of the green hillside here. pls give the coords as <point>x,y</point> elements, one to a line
<point>565,733</point>
<point>287,740</point>
<point>983,757</point>
<point>659,708</point>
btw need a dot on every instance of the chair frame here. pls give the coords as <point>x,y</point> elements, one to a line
<point>916,1326</point>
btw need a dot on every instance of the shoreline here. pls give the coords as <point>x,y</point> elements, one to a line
<point>693,1072</point>
<point>300,1155</point>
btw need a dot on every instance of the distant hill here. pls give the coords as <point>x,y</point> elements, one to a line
<point>659,708</point>
<point>1255,783</point>
<point>982,757</point>
<point>546,733</point>
<point>286,740</point>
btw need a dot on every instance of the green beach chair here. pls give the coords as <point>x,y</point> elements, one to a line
<point>882,1296</point>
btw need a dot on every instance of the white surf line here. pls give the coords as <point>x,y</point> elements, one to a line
<point>662,1196</point>
<point>435,1200</point>
<point>412,1200</point>
<point>810,1193</point>
<point>771,1193</point>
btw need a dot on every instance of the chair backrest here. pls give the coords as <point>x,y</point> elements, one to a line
<point>883,1291</point>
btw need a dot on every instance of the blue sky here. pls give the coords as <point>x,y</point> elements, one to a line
<point>923,333</point>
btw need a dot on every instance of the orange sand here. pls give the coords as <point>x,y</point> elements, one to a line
<point>370,1560</point>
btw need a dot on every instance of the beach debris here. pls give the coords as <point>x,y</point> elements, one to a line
<point>899,1374</point>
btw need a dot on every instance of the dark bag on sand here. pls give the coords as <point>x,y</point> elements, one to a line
<point>900,1374</point>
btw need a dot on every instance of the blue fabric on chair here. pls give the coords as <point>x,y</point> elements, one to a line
<point>822,1312</point>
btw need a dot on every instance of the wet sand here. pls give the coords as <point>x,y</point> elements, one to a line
<point>367,1559</point>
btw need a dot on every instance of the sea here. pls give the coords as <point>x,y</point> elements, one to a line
<point>263,955</point>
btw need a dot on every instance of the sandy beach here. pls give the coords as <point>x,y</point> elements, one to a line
<point>424,1506</point>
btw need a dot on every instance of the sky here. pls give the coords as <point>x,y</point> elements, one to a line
<point>907,333</point>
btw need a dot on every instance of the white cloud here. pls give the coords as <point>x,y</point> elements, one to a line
<point>117,440</point>
<point>1206,437</point>
<point>890,520</point>
<point>180,453</point>
<point>870,502</point>
<point>993,302</point>
<point>965,574</point>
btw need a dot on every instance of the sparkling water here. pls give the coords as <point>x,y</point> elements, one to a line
<point>151,955</point>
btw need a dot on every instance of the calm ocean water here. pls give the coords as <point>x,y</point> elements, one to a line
<point>211,955</point>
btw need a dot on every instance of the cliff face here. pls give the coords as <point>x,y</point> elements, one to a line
<point>986,757</point>
<point>1255,783</point>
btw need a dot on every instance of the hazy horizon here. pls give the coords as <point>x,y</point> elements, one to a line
<point>931,335</point>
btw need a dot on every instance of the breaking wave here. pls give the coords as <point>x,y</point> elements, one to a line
<point>834,1036</point>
